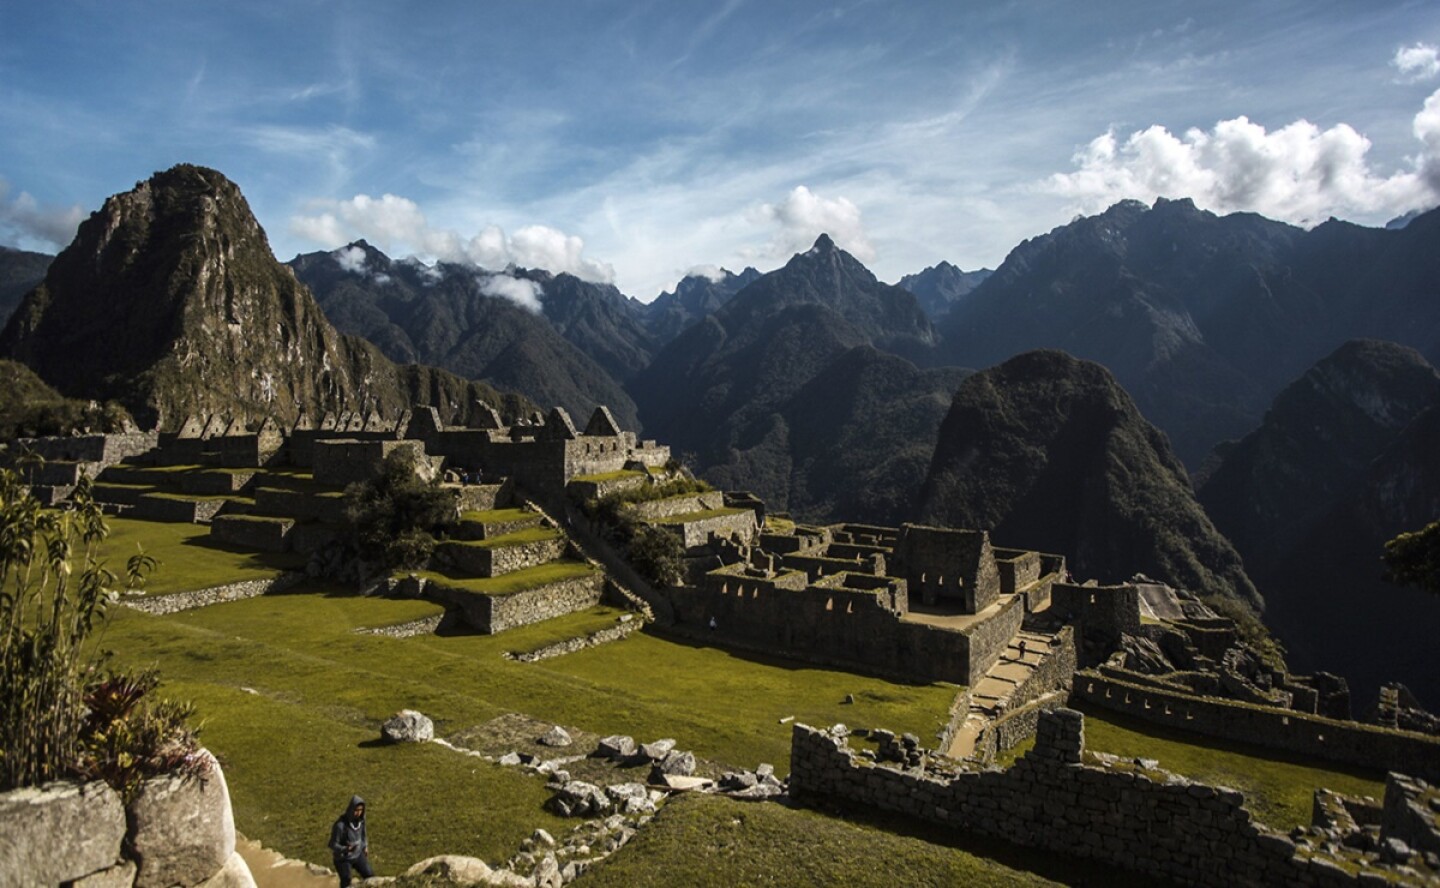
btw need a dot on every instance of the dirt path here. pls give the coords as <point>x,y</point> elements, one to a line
<point>271,870</point>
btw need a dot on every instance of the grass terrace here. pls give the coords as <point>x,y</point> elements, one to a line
<point>713,842</point>
<point>189,558</point>
<point>1279,788</point>
<point>516,538</point>
<point>291,699</point>
<point>515,581</point>
<point>610,476</point>
<point>498,516</point>
<point>697,516</point>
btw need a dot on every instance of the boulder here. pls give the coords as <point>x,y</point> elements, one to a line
<point>579,799</point>
<point>616,748</point>
<point>234,874</point>
<point>121,875</point>
<point>677,763</point>
<point>657,750</point>
<point>59,832</point>
<point>182,830</point>
<point>510,759</point>
<point>547,874</point>
<point>556,736</point>
<point>631,798</point>
<point>454,868</point>
<point>408,726</point>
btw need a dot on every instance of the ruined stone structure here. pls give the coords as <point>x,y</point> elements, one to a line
<point>1061,799</point>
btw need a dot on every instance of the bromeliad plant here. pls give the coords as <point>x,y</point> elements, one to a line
<point>59,716</point>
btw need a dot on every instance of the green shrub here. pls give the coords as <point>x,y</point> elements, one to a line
<point>657,554</point>
<point>1413,559</point>
<point>58,716</point>
<point>396,514</point>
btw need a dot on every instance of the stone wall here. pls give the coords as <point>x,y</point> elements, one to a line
<point>105,449</point>
<point>1100,613</point>
<point>1412,812</point>
<point>347,460</point>
<point>942,563</point>
<point>174,508</point>
<point>698,532</point>
<point>183,601</point>
<point>261,532</point>
<point>496,613</point>
<point>302,505</point>
<point>679,505</point>
<point>177,831</point>
<point>618,632</point>
<point>833,625</point>
<point>1150,822</point>
<point>493,561</point>
<point>1351,743</point>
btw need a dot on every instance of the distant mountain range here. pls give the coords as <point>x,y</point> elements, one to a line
<point>20,272</point>
<point>837,396</point>
<point>1202,318</point>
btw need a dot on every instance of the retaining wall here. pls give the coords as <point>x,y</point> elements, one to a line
<point>490,614</point>
<point>183,601</point>
<point>1351,743</point>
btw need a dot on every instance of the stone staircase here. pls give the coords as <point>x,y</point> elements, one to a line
<point>995,694</point>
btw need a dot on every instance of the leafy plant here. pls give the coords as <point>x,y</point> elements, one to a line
<point>396,514</point>
<point>126,737</point>
<point>54,590</point>
<point>1413,559</point>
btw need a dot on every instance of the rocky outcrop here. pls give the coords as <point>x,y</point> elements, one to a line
<point>170,301</point>
<point>407,726</point>
<point>178,831</point>
<point>1049,452</point>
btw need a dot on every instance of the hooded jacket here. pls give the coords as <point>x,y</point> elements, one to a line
<point>347,836</point>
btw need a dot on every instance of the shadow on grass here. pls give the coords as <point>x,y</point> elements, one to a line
<point>717,642</point>
<point>1165,732</point>
<point>252,559</point>
<point>1047,864</point>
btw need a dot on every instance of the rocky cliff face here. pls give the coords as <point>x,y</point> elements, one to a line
<point>1344,460</point>
<point>1050,453</point>
<point>170,301</point>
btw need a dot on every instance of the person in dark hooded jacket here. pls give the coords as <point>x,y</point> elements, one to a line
<point>348,844</point>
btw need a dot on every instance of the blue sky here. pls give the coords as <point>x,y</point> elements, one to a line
<point>635,141</point>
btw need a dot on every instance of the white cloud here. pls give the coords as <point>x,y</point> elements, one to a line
<point>522,292</point>
<point>1416,63</point>
<point>1299,173</point>
<point>24,221</point>
<point>803,216</point>
<point>712,273</point>
<point>397,223</point>
<point>351,259</point>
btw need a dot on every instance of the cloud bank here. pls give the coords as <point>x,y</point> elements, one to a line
<point>803,216</point>
<point>24,221</point>
<point>1298,173</point>
<point>1417,63</point>
<point>524,293</point>
<point>397,224</point>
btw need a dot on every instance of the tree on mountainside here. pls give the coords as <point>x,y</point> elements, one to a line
<point>396,513</point>
<point>1413,559</point>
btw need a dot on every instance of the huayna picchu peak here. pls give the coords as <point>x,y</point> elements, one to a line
<point>170,302</point>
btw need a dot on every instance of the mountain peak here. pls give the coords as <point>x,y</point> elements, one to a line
<point>823,244</point>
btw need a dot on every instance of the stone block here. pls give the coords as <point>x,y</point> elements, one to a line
<point>182,829</point>
<point>59,832</point>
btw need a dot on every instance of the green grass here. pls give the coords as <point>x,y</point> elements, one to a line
<point>525,639</point>
<point>300,744</point>
<point>189,558</point>
<point>516,538</point>
<point>610,476</point>
<point>712,842</point>
<point>1279,788</point>
<point>529,578</point>
<point>498,516</point>
<point>200,497</point>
